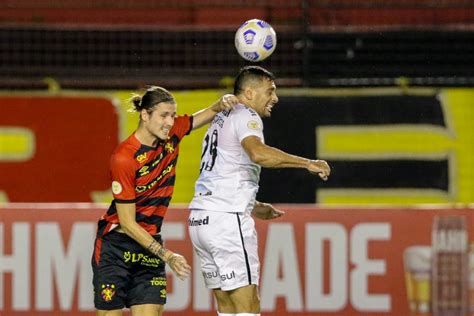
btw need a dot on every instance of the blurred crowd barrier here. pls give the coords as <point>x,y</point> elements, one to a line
<point>314,261</point>
<point>190,44</point>
<point>221,13</point>
<point>400,146</point>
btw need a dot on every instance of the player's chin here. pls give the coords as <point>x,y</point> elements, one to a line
<point>162,136</point>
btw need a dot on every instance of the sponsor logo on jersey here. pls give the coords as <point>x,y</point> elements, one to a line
<point>141,158</point>
<point>116,187</point>
<point>157,160</point>
<point>144,170</point>
<point>108,292</point>
<point>198,222</point>
<point>141,188</point>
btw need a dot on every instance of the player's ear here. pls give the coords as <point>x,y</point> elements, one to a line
<point>248,93</point>
<point>144,116</point>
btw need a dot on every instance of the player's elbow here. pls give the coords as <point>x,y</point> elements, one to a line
<point>261,159</point>
<point>257,151</point>
<point>256,156</point>
<point>128,227</point>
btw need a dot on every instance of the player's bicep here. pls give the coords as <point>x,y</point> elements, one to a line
<point>254,147</point>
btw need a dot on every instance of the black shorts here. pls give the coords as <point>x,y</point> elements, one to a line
<point>126,274</point>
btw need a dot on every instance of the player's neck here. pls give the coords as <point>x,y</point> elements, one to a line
<point>145,137</point>
<point>244,101</point>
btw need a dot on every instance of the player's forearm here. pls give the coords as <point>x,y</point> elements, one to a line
<point>270,157</point>
<point>141,236</point>
<point>203,117</point>
<point>126,214</point>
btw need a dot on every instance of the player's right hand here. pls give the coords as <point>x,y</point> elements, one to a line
<point>320,168</point>
<point>226,102</point>
<point>178,264</point>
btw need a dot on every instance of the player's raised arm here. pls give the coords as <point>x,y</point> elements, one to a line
<point>206,115</point>
<point>270,157</point>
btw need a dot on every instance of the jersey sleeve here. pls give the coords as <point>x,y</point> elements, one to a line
<point>182,126</point>
<point>122,170</point>
<point>247,123</point>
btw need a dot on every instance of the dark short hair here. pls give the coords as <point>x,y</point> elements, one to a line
<point>153,95</point>
<point>248,73</point>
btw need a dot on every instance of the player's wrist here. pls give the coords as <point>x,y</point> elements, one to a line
<point>160,251</point>
<point>216,107</point>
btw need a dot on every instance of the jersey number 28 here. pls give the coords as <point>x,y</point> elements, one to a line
<point>209,154</point>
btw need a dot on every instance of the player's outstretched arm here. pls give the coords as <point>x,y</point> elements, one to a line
<point>270,157</point>
<point>205,116</point>
<point>177,263</point>
<point>266,211</point>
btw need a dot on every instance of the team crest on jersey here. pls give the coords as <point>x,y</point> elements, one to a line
<point>169,148</point>
<point>253,125</point>
<point>108,292</point>
<point>141,158</point>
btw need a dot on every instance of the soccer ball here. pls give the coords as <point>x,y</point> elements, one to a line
<point>255,40</point>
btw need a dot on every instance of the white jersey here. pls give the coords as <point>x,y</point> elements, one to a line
<point>229,179</point>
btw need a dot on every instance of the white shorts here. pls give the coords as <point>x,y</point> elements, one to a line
<point>227,245</point>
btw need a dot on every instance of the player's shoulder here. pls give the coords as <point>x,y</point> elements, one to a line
<point>182,119</point>
<point>126,150</point>
<point>243,110</point>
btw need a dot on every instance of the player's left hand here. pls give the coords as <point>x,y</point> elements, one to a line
<point>320,168</point>
<point>226,102</point>
<point>178,264</point>
<point>266,211</point>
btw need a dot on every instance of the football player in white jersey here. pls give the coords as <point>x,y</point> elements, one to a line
<point>220,223</point>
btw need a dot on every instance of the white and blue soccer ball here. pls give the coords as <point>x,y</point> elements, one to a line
<point>255,40</point>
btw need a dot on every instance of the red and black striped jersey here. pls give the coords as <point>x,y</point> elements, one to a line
<point>145,176</point>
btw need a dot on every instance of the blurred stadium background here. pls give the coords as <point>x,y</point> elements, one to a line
<point>189,44</point>
<point>382,89</point>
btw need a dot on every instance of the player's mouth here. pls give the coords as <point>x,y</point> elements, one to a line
<point>269,107</point>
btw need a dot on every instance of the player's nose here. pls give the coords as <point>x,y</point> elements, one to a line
<point>169,121</point>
